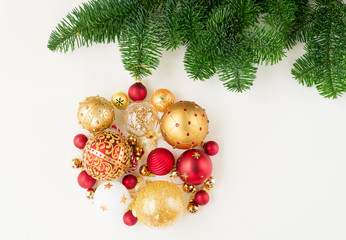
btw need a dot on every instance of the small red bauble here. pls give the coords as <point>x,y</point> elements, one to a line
<point>201,197</point>
<point>211,148</point>
<point>194,166</point>
<point>137,92</point>
<point>160,161</point>
<point>80,140</point>
<point>85,181</point>
<point>129,219</point>
<point>129,181</point>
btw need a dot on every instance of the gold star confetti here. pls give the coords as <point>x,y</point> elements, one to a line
<point>123,199</point>
<point>104,208</point>
<point>108,185</point>
<point>196,155</point>
<point>184,175</point>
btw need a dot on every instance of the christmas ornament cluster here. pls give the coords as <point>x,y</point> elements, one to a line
<point>109,160</point>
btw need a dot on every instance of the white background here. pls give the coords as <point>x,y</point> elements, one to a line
<point>281,171</point>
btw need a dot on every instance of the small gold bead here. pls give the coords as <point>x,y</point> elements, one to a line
<point>192,207</point>
<point>173,173</point>
<point>139,151</point>
<point>137,158</point>
<point>144,171</point>
<point>189,188</point>
<point>76,163</point>
<point>132,140</point>
<point>89,194</point>
<point>210,183</point>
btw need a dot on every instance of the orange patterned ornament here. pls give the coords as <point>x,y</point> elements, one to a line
<point>162,99</point>
<point>106,156</point>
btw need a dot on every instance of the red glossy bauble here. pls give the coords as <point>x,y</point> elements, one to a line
<point>129,181</point>
<point>211,148</point>
<point>80,140</point>
<point>201,197</point>
<point>160,161</point>
<point>137,92</point>
<point>194,166</point>
<point>129,219</point>
<point>85,181</point>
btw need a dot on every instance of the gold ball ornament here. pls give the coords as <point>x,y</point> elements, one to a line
<point>174,173</point>
<point>140,118</point>
<point>162,99</point>
<point>159,204</point>
<point>139,151</point>
<point>192,207</point>
<point>184,125</point>
<point>189,188</point>
<point>132,140</point>
<point>89,194</point>
<point>96,114</point>
<point>209,183</point>
<point>120,100</point>
<point>76,163</point>
<point>144,171</point>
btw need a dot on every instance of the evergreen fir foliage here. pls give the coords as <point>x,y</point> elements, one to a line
<point>229,38</point>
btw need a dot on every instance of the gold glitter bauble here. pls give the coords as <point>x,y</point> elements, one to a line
<point>184,125</point>
<point>162,99</point>
<point>159,204</point>
<point>140,118</point>
<point>96,114</point>
<point>120,100</point>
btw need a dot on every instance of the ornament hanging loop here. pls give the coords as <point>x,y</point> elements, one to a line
<point>138,79</point>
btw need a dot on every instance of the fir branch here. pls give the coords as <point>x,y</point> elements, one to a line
<point>97,21</point>
<point>139,44</point>
<point>324,63</point>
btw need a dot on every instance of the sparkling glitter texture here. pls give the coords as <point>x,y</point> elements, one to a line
<point>141,119</point>
<point>159,204</point>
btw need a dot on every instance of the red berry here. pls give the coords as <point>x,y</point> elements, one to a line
<point>211,148</point>
<point>85,181</point>
<point>202,197</point>
<point>129,181</point>
<point>80,140</point>
<point>129,219</point>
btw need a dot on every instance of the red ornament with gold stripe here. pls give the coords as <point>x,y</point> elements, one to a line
<point>106,156</point>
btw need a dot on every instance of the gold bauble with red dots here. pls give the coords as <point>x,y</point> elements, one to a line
<point>184,125</point>
<point>106,156</point>
<point>95,114</point>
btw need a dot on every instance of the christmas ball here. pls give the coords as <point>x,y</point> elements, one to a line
<point>129,219</point>
<point>95,114</point>
<point>111,198</point>
<point>159,204</point>
<point>201,198</point>
<point>120,100</point>
<point>129,181</point>
<point>211,148</point>
<point>140,118</point>
<point>192,207</point>
<point>162,99</point>
<point>194,166</point>
<point>144,171</point>
<point>89,194</point>
<point>85,180</point>
<point>106,156</point>
<point>76,163</point>
<point>80,140</point>
<point>184,125</point>
<point>160,161</point>
<point>137,92</point>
